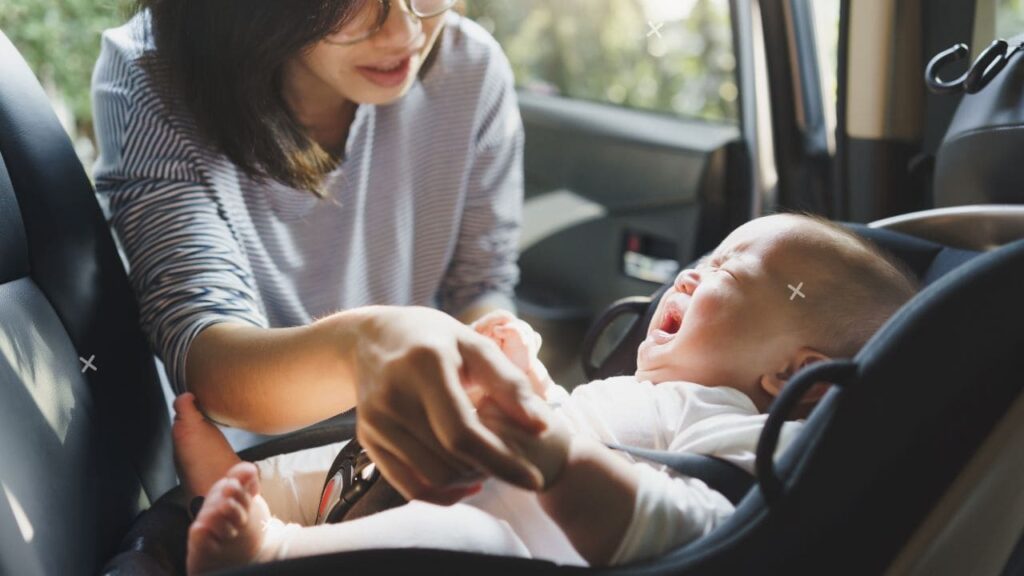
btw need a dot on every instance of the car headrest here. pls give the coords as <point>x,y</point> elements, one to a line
<point>979,159</point>
<point>928,260</point>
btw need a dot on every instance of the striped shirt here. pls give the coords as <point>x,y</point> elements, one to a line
<point>424,210</point>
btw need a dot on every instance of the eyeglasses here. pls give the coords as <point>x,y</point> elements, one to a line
<point>370,18</point>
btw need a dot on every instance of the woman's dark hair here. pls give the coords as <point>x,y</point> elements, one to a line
<point>224,59</point>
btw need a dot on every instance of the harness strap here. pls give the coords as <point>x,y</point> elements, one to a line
<point>354,487</point>
<point>723,476</point>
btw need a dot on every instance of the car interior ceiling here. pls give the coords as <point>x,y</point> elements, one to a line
<point>909,466</point>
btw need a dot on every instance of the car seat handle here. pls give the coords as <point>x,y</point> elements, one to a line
<point>952,54</point>
<point>837,372</point>
<point>987,66</point>
<point>634,305</point>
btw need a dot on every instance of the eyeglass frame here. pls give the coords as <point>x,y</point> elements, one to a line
<point>386,13</point>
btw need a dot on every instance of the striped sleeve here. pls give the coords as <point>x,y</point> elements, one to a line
<point>186,265</point>
<point>484,267</point>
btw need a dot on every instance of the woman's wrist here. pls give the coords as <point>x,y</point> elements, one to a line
<point>346,332</point>
<point>363,339</point>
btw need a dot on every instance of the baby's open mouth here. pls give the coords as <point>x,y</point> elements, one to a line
<point>671,322</point>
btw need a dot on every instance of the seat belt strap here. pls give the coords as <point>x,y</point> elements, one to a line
<point>725,477</point>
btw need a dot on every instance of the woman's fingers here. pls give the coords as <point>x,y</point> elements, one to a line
<point>454,420</point>
<point>508,386</point>
<point>423,455</point>
<point>412,380</point>
<point>398,474</point>
<point>409,485</point>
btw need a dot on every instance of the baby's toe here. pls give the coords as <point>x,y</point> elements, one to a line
<point>185,407</point>
<point>225,508</point>
<point>233,513</point>
<point>205,535</point>
<point>248,477</point>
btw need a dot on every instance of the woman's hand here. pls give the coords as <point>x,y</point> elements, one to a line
<point>548,450</point>
<point>414,370</point>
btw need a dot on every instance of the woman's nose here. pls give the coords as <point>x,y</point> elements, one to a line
<point>687,281</point>
<point>402,27</point>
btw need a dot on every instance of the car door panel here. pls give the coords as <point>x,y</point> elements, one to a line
<point>603,180</point>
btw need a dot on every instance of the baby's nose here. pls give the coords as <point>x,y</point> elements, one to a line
<point>687,280</point>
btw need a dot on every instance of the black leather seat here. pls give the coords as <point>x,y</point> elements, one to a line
<point>82,450</point>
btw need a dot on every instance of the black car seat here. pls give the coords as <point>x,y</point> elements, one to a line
<point>84,429</point>
<point>83,450</point>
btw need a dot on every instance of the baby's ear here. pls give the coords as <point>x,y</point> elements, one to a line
<point>773,383</point>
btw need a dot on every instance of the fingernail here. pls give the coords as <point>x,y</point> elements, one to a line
<point>531,481</point>
<point>535,410</point>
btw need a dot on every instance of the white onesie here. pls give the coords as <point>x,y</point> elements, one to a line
<point>502,519</point>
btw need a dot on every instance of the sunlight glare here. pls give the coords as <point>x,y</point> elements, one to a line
<point>27,532</point>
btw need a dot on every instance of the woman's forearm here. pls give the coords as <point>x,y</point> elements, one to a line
<point>592,499</point>
<point>274,380</point>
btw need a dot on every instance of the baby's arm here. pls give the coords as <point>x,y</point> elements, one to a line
<point>612,511</point>
<point>592,499</point>
<point>589,491</point>
<point>519,342</point>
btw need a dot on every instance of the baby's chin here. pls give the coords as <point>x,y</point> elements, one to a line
<point>663,363</point>
<point>645,368</point>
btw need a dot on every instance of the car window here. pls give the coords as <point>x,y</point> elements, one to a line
<point>668,56</point>
<point>826,42</point>
<point>1009,18</point>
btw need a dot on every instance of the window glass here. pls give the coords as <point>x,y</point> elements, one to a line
<point>670,56</point>
<point>826,41</point>
<point>1009,18</point>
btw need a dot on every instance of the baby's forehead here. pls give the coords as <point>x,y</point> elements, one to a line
<point>780,242</point>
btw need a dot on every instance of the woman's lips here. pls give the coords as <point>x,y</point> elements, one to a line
<point>387,77</point>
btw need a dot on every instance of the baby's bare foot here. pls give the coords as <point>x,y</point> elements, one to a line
<point>201,452</point>
<point>228,530</point>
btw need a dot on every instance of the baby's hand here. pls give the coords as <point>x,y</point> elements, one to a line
<point>519,342</point>
<point>548,451</point>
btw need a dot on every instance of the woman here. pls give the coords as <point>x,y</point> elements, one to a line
<point>274,168</point>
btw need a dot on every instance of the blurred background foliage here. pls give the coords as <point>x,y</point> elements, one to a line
<point>60,39</point>
<point>673,56</point>
<point>601,50</point>
<point>1009,18</point>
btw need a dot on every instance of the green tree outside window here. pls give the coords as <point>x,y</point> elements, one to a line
<point>61,41</point>
<point>602,50</point>
<point>671,56</point>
